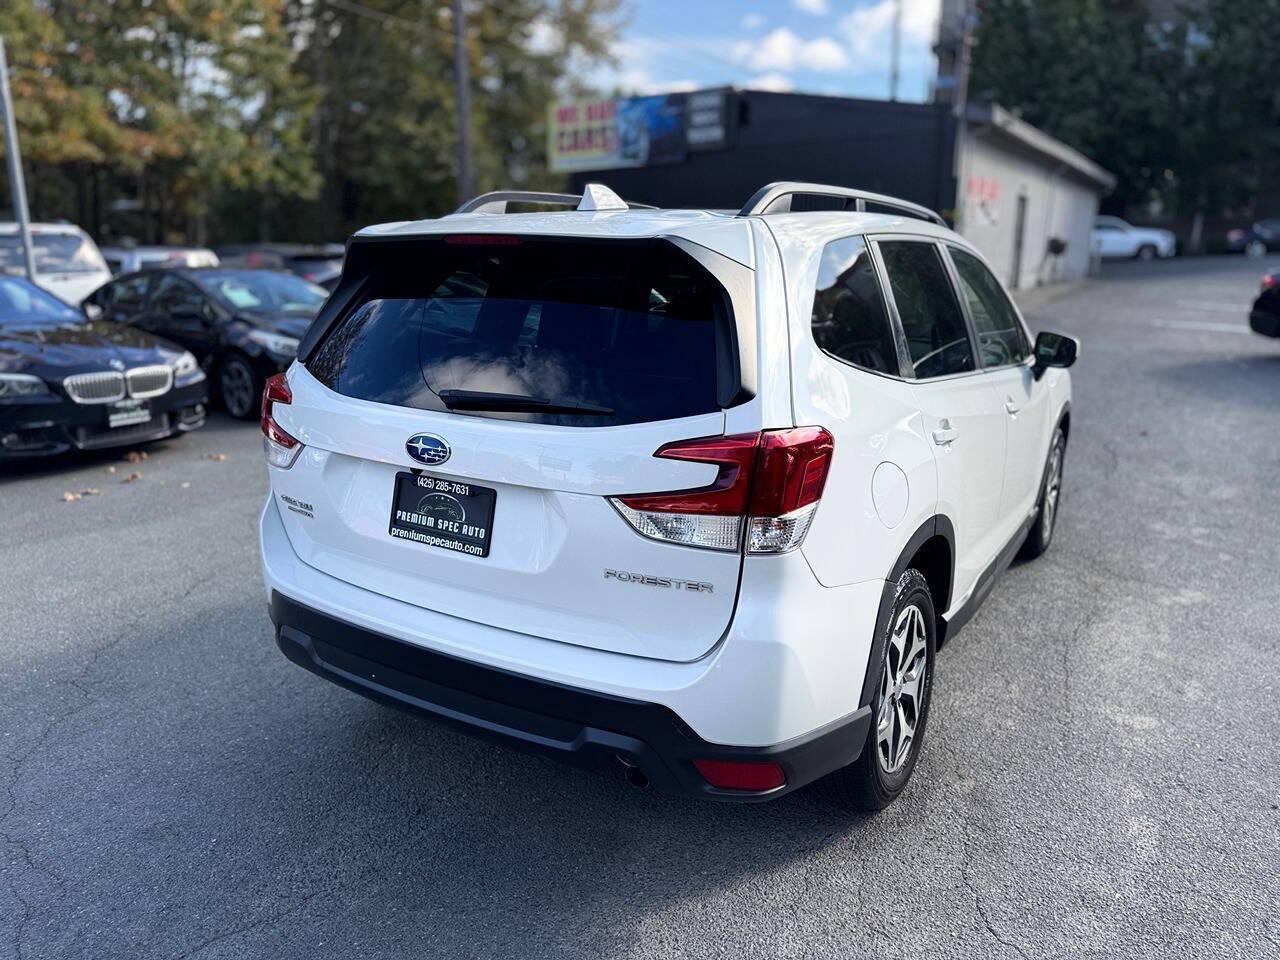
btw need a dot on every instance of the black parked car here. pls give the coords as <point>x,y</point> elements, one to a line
<point>1259,240</point>
<point>311,261</point>
<point>243,325</point>
<point>1265,315</point>
<point>71,383</point>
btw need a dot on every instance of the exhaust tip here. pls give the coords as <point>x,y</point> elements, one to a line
<point>633,774</point>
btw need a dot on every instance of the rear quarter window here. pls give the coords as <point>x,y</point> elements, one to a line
<point>626,332</point>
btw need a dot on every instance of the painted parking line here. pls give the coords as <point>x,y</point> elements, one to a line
<point>1218,306</point>
<point>1202,325</point>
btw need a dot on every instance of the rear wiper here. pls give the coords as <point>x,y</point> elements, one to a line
<point>516,403</point>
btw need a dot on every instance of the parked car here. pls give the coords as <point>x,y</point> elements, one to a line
<point>1256,242</point>
<point>243,325</point>
<point>71,383</point>
<point>315,262</point>
<point>693,492</point>
<point>1113,237</point>
<point>129,259</point>
<point>1264,318</point>
<point>67,261</point>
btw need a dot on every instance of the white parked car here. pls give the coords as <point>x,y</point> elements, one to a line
<point>68,262</point>
<point>1113,237</point>
<point>130,259</point>
<point>696,493</point>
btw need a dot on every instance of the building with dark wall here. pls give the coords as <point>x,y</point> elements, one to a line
<point>1026,200</point>
<point>903,149</point>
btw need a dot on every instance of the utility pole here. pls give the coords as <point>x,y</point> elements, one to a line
<point>895,50</point>
<point>462,79</point>
<point>16,184</point>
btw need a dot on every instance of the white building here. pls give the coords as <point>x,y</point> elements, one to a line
<point>1026,200</point>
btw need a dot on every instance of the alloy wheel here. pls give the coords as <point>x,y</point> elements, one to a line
<point>237,388</point>
<point>1052,488</point>
<point>902,689</point>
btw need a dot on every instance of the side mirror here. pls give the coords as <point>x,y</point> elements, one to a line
<point>1054,350</point>
<point>91,310</point>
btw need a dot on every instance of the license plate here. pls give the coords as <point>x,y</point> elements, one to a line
<point>126,413</point>
<point>442,513</point>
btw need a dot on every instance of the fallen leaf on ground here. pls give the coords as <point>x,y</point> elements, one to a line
<point>185,484</point>
<point>69,496</point>
<point>111,469</point>
<point>89,492</point>
<point>215,456</point>
<point>136,456</point>
<point>132,477</point>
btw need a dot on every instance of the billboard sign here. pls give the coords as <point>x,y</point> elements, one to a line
<point>617,132</point>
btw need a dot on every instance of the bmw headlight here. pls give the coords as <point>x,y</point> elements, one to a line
<point>276,343</point>
<point>20,386</point>
<point>186,370</point>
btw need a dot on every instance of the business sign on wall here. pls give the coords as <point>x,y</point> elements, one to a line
<point>633,131</point>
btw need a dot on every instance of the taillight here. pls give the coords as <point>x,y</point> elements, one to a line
<point>1268,281</point>
<point>769,481</point>
<point>280,447</point>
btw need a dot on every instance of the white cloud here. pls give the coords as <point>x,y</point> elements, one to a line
<point>818,7</point>
<point>775,82</point>
<point>752,21</point>
<point>823,54</point>
<point>868,35</point>
<point>782,50</point>
<point>868,29</point>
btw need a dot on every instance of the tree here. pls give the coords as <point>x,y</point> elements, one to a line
<point>165,99</point>
<point>384,135</point>
<point>1181,108</point>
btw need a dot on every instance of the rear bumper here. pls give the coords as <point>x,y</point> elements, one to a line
<point>580,726</point>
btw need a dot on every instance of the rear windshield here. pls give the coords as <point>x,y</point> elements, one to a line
<point>571,333</point>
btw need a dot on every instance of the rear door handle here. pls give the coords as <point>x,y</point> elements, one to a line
<point>1011,406</point>
<point>945,433</point>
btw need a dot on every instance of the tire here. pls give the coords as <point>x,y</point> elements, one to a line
<point>1147,252</point>
<point>239,387</point>
<point>875,779</point>
<point>1041,533</point>
<point>1255,249</point>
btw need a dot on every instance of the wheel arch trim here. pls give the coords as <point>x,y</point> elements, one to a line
<point>936,526</point>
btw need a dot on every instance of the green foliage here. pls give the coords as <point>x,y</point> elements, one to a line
<point>1176,99</point>
<point>211,120</point>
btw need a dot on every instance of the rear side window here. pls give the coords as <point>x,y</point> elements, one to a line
<point>548,331</point>
<point>850,321</point>
<point>999,331</point>
<point>937,337</point>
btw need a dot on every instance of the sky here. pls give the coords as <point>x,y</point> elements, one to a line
<point>813,46</point>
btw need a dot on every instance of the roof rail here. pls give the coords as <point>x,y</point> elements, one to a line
<point>776,198</point>
<point>594,197</point>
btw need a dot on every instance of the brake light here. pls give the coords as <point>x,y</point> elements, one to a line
<point>741,775</point>
<point>1268,281</point>
<point>280,447</point>
<point>482,240</point>
<point>770,481</point>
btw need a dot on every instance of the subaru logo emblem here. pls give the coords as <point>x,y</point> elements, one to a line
<point>427,448</point>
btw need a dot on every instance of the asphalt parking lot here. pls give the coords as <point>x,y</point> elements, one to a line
<point>1100,776</point>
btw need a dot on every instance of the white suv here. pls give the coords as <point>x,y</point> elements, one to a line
<point>697,492</point>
